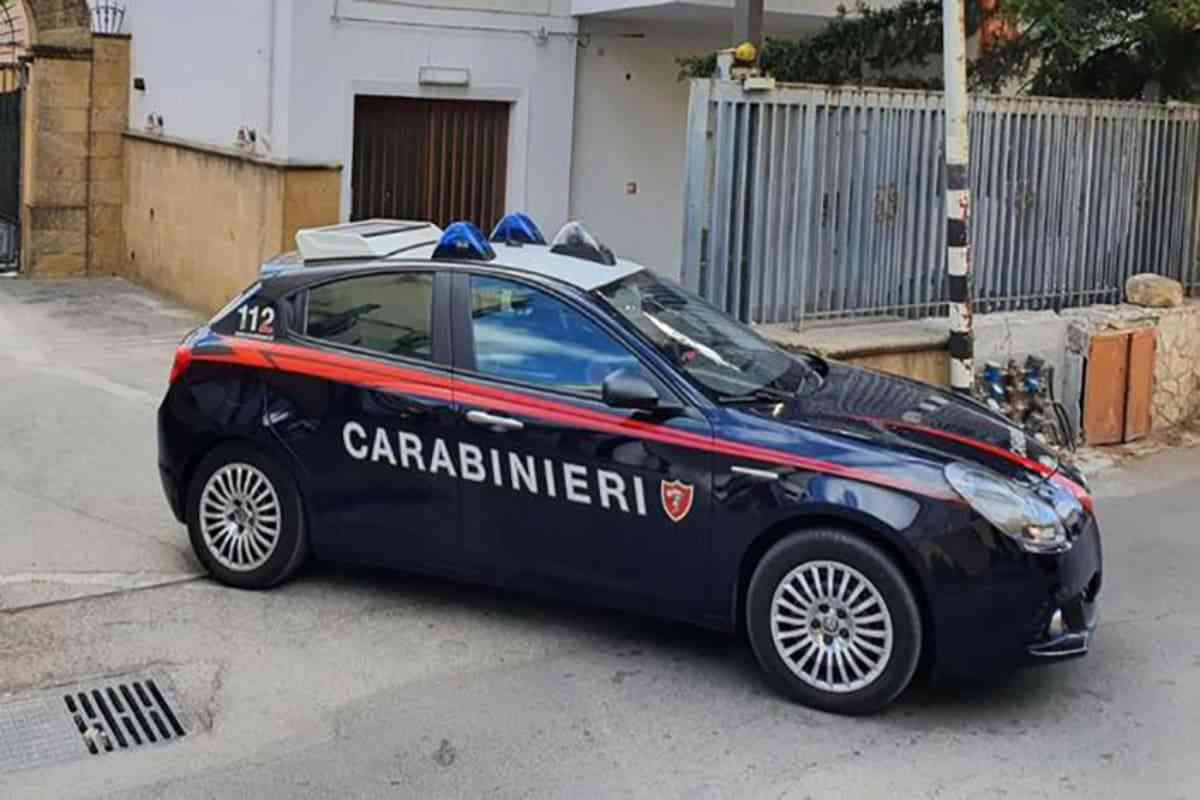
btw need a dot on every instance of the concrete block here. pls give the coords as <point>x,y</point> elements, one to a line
<point>114,120</point>
<point>72,242</point>
<point>61,193</point>
<point>64,83</point>
<point>108,169</point>
<point>1018,334</point>
<point>56,219</point>
<point>107,192</point>
<point>105,218</point>
<point>110,95</point>
<point>62,120</point>
<point>48,171</point>
<point>59,146</point>
<point>59,265</point>
<point>107,145</point>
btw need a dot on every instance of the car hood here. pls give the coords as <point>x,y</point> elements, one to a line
<point>900,412</point>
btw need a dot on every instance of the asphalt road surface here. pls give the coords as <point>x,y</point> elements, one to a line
<point>351,683</point>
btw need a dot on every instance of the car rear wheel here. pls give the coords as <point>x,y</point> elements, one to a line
<point>245,519</point>
<point>833,621</point>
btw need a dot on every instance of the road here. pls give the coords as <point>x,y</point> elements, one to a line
<point>352,683</point>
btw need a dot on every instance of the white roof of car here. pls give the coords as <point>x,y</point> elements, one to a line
<point>405,240</point>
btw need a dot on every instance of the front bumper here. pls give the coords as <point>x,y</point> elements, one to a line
<point>1066,625</point>
<point>997,609</point>
<point>1069,634</point>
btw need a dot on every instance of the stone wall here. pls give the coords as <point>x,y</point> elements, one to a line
<point>199,221</point>
<point>1176,396</point>
<point>76,108</point>
<point>917,349</point>
<point>109,119</point>
<point>54,239</point>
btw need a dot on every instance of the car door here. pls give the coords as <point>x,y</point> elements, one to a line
<point>376,399</point>
<point>565,492</point>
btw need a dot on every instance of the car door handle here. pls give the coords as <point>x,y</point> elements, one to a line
<point>494,422</point>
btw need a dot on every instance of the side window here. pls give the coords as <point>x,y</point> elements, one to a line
<point>524,334</point>
<point>388,313</point>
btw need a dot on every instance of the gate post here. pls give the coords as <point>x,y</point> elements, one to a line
<point>56,162</point>
<point>958,197</point>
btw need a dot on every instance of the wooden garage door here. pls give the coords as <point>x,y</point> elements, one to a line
<point>437,160</point>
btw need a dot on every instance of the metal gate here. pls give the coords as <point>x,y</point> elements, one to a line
<point>12,89</point>
<point>436,160</point>
<point>820,202</point>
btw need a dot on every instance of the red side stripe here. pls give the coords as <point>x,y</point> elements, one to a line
<point>361,372</point>
<point>1037,467</point>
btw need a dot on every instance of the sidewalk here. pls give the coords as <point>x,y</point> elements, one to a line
<point>83,365</point>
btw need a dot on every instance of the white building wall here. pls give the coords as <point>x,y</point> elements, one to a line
<point>630,116</point>
<point>206,64</point>
<point>333,60</point>
<point>290,70</point>
<point>630,121</point>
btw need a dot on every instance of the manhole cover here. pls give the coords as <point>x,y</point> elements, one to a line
<point>87,720</point>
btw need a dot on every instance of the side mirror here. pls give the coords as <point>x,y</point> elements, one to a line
<point>626,388</point>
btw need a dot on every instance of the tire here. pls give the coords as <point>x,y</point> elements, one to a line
<point>861,655</point>
<point>269,522</point>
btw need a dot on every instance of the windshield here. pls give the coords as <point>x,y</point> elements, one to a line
<point>727,359</point>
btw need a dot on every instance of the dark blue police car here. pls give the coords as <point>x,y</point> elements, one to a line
<point>560,420</point>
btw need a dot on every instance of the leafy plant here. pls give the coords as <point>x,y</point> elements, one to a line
<point>1083,48</point>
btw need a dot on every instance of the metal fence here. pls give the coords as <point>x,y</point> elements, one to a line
<point>817,202</point>
<point>12,84</point>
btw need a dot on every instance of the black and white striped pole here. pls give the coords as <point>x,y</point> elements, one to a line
<point>958,198</point>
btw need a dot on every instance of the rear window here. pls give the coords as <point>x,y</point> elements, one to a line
<point>389,314</point>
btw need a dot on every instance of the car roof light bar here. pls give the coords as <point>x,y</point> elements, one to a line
<point>462,241</point>
<point>518,229</point>
<point>576,241</point>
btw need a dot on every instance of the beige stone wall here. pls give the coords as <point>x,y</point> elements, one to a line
<point>1177,366</point>
<point>109,119</point>
<point>76,108</point>
<point>55,175</point>
<point>1176,397</point>
<point>58,23</point>
<point>200,222</point>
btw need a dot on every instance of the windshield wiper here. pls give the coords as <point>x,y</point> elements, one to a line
<point>763,395</point>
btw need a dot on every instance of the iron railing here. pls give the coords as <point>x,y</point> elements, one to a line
<point>12,84</point>
<point>108,16</point>
<point>817,202</point>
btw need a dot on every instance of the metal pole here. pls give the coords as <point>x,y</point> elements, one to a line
<point>958,197</point>
<point>747,22</point>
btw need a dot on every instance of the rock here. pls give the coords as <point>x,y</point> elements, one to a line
<point>1154,291</point>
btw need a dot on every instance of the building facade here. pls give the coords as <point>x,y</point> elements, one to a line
<point>248,120</point>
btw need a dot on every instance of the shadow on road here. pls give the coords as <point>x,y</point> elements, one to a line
<point>726,659</point>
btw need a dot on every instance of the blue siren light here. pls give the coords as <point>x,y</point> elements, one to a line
<point>517,228</point>
<point>462,241</point>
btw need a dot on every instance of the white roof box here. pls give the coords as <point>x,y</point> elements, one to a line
<point>373,238</point>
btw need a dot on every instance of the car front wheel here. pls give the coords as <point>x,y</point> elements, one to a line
<point>245,519</point>
<point>833,621</point>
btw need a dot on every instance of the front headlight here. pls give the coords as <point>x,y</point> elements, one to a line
<point>1012,508</point>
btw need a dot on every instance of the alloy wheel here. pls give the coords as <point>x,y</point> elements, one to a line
<point>831,626</point>
<point>240,517</point>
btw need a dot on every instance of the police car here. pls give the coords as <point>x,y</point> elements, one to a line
<point>560,420</point>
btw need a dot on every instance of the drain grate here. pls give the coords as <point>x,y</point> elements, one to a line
<point>118,713</point>
<point>123,715</point>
